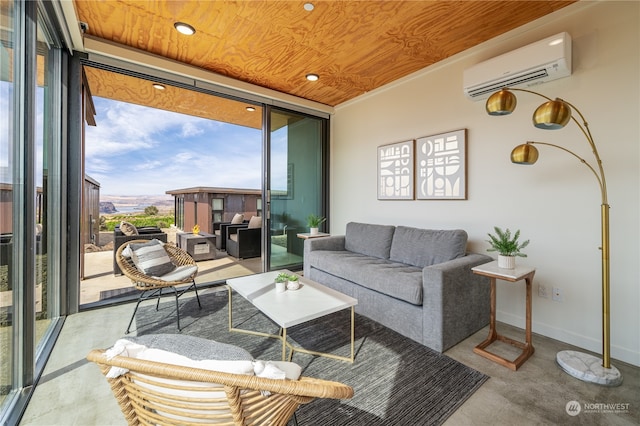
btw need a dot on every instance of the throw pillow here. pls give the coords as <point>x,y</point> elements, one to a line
<point>151,258</point>
<point>128,228</point>
<point>255,222</point>
<point>237,219</point>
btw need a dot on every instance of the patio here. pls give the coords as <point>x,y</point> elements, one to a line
<point>100,284</point>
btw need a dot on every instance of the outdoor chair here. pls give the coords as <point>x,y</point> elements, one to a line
<point>157,393</point>
<point>220,231</point>
<point>245,242</point>
<point>152,286</point>
<point>146,233</point>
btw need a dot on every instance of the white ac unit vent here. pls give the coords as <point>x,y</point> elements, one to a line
<point>536,63</point>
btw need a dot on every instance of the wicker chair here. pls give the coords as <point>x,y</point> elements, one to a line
<point>152,287</point>
<point>148,394</point>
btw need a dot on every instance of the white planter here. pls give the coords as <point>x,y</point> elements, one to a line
<point>281,287</point>
<point>293,285</point>
<point>506,262</point>
<point>313,231</point>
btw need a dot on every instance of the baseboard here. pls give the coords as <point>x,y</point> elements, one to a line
<point>585,342</point>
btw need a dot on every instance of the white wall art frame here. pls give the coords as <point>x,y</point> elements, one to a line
<point>395,171</point>
<point>441,166</point>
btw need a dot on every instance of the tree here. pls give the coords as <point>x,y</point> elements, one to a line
<point>151,210</point>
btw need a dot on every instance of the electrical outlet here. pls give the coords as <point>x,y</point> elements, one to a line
<point>542,291</point>
<point>557,295</point>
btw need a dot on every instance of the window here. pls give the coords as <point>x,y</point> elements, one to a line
<point>217,209</point>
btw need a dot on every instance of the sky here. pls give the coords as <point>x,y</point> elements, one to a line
<point>136,150</point>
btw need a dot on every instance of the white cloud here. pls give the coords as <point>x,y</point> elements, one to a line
<point>190,129</point>
<point>136,150</point>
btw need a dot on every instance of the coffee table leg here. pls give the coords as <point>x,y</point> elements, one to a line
<point>284,344</point>
<point>230,310</point>
<point>353,332</point>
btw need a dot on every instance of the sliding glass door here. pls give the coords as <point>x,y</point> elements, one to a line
<point>295,184</point>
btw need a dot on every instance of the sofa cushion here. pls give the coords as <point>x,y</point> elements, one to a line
<point>425,247</point>
<point>255,222</point>
<point>368,239</point>
<point>237,219</point>
<point>394,279</point>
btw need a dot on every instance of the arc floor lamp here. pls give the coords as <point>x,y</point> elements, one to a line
<point>552,115</point>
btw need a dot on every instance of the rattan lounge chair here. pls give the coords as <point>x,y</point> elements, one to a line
<point>151,286</point>
<point>149,395</point>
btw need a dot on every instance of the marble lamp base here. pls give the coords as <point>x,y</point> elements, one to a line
<point>588,368</point>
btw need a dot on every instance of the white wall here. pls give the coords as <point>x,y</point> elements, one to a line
<point>555,203</point>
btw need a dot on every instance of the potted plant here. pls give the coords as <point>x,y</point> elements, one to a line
<point>508,247</point>
<point>314,222</point>
<point>293,283</point>
<point>281,282</point>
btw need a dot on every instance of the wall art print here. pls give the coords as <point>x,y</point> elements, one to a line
<point>441,163</point>
<point>395,171</point>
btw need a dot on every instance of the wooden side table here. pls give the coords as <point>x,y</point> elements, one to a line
<point>525,273</point>
<point>306,235</point>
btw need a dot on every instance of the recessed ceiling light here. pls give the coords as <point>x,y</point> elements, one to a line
<point>313,77</point>
<point>251,109</point>
<point>308,7</point>
<point>158,86</point>
<point>185,29</point>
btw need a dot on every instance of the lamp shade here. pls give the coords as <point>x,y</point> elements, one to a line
<point>524,154</point>
<point>501,103</point>
<point>552,115</point>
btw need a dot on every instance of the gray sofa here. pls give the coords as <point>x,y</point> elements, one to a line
<point>417,282</point>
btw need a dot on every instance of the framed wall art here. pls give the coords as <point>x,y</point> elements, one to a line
<point>395,171</point>
<point>441,166</point>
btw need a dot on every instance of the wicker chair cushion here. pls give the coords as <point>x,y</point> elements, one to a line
<point>237,219</point>
<point>178,274</point>
<point>197,348</point>
<point>128,228</point>
<point>192,347</point>
<point>151,258</point>
<point>195,352</point>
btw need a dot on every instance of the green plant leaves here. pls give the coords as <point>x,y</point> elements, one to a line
<point>506,245</point>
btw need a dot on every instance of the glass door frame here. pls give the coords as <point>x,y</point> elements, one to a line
<point>267,172</point>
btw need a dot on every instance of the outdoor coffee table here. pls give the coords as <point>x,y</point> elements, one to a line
<point>291,307</point>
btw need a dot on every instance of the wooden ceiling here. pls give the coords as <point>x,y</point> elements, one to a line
<point>354,46</point>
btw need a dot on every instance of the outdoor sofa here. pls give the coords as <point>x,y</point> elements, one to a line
<point>417,282</point>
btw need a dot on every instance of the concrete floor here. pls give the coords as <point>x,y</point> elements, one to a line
<point>73,392</point>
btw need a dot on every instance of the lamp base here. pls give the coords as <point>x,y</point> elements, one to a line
<point>588,368</point>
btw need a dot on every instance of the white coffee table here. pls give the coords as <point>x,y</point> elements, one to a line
<point>312,300</point>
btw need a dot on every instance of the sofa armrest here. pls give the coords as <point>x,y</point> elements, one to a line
<point>456,302</point>
<point>331,243</point>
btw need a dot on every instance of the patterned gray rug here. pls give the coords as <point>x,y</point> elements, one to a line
<point>396,380</point>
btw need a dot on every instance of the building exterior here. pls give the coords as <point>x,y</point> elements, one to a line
<point>205,205</point>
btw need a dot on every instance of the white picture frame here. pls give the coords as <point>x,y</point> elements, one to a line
<point>441,166</point>
<point>395,171</point>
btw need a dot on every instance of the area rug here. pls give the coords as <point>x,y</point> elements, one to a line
<point>396,381</point>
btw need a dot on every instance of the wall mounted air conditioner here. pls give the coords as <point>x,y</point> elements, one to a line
<point>536,63</point>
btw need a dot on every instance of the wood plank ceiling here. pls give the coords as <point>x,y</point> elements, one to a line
<point>354,46</point>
